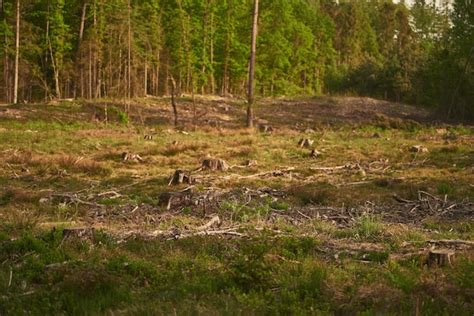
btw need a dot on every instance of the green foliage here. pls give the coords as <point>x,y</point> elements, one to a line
<point>368,227</point>
<point>420,54</point>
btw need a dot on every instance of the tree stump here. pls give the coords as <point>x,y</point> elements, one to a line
<point>305,143</point>
<point>180,177</point>
<point>418,149</point>
<point>165,199</point>
<point>266,128</point>
<point>250,163</point>
<point>131,157</point>
<point>315,154</point>
<point>84,233</point>
<point>215,165</point>
<point>441,257</point>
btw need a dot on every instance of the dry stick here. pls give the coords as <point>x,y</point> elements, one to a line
<point>74,199</point>
<point>11,277</point>
<point>210,233</point>
<point>353,183</point>
<point>262,174</point>
<point>328,168</point>
<point>214,221</point>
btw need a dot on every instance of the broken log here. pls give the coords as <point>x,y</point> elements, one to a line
<point>215,221</point>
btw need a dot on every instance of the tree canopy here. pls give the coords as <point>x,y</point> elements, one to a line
<point>129,48</point>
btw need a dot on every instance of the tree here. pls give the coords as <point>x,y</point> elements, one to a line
<point>253,52</point>
<point>17,52</point>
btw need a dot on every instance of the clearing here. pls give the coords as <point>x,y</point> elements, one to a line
<point>332,205</point>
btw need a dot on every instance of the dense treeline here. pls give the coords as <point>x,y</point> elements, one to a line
<point>128,48</point>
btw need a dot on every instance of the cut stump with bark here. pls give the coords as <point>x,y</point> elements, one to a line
<point>180,177</point>
<point>215,165</point>
<point>315,153</point>
<point>418,149</point>
<point>266,128</point>
<point>305,143</point>
<point>251,163</point>
<point>165,200</point>
<point>441,257</point>
<point>131,157</point>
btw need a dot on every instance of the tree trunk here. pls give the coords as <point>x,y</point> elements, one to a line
<point>173,100</point>
<point>17,53</point>
<point>252,66</point>
<point>129,56</point>
<point>79,52</point>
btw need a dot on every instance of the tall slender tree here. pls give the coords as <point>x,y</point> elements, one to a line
<point>253,52</point>
<point>17,53</point>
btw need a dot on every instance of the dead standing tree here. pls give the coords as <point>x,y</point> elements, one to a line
<point>252,65</point>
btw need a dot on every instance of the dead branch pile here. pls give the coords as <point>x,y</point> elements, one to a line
<point>430,205</point>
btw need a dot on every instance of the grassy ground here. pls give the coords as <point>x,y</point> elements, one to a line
<point>296,235</point>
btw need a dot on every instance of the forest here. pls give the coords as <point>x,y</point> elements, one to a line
<point>421,54</point>
<point>237,157</point>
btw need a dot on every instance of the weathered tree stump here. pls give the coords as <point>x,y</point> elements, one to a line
<point>305,143</point>
<point>441,257</point>
<point>180,177</point>
<point>250,163</point>
<point>418,149</point>
<point>315,154</point>
<point>224,107</point>
<point>266,128</point>
<point>165,199</point>
<point>131,157</point>
<point>215,165</point>
<point>83,233</point>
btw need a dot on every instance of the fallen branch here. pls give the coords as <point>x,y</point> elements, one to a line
<point>228,232</point>
<point>452,242</point>
<point>214,221</point>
